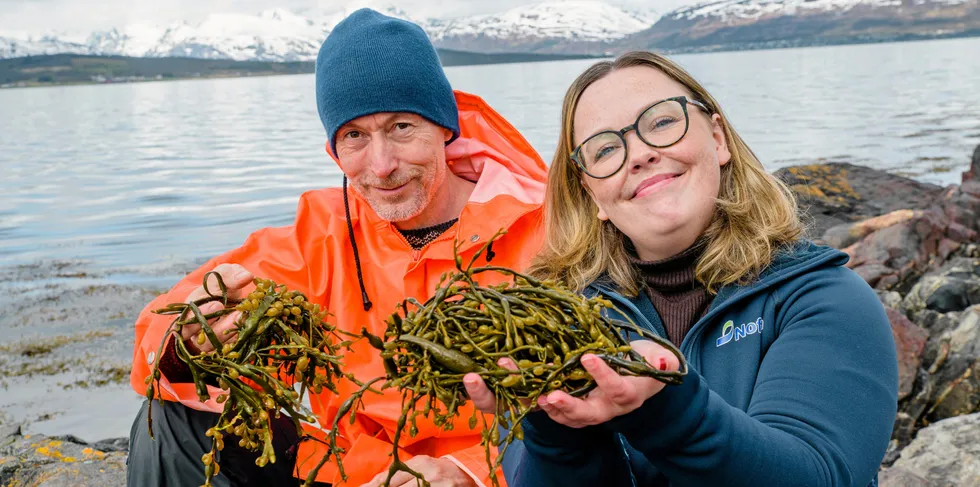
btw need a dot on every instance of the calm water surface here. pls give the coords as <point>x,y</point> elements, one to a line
<point>139,182</point>
<point>144,175</point>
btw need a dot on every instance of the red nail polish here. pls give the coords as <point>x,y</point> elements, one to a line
<point>663,364</point>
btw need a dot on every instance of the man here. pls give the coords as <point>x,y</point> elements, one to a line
<point>427,168</point>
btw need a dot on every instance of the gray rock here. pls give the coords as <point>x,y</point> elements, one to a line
<point>934,322</point>
<point>901,477</point>
<point>971,250</point>
<point>956,389</point>
<point>944,453</point>
<point>954,358</point>
<point>952,287</point>
<point>965,338</point>
<point>49,462</point>
<point>890,299</point>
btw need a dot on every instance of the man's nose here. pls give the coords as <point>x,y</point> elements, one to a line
<point>381,159</point>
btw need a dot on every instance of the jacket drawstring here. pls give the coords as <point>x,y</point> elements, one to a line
<point>357,258</point>
<point>490,252</point>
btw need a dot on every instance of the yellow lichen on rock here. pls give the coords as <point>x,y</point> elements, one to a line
<point>822,182</point>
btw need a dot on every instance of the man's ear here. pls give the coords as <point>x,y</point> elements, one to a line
<point>330,152</point>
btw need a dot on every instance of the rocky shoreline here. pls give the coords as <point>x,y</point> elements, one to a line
<point>917,244</point>
<point>37,460</point>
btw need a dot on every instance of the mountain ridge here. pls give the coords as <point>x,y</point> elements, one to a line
<point>580,27</point>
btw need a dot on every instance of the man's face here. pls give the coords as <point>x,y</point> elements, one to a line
<point>396,161</point>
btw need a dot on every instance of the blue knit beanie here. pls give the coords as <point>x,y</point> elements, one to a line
<point>373,63</point>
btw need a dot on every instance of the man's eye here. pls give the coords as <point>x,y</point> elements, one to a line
<point>353,134</point>
<point>403,126</point>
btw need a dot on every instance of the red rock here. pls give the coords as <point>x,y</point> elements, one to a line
<point>947,247</point>
<point>960,233</point>
<point>910,341</point>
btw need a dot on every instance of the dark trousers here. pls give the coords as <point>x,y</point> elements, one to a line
<point>173,456</point>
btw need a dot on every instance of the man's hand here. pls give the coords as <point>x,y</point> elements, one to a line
<point>238,282</point>
<point>439,472</point>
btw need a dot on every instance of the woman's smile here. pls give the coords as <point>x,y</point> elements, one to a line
<point>655,184</point>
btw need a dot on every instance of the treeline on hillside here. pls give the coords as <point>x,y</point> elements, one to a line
<point>75,68</point>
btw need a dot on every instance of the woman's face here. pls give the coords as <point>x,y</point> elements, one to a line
<point>662,199</point>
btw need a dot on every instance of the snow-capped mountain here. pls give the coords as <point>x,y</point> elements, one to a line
<point>553,26</point>
<point>17,44</point>
<point>283,35</point>
<point>272,35</point>
<point>735,10</point>
<point>734,23</point>
<point>548,26</point>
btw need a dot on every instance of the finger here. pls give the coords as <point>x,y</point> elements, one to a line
<point>226,325</point>
<point>613,386</point>
<point>223,329</point>
<point>657,356</point>
<point>377,480</point>
<point>479,393</point>
<point>425,465</point>
<point>507,363</point>
<point>556,414</point>
<point>595,408</point>
<point>189,330</point>
<point>234,277</point>
<point>405,479</point>
<point>226,333</point>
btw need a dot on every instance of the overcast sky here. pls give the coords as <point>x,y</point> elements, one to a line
<point>87,15</point>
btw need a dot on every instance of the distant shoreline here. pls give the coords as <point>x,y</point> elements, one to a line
<point>803,43</point>
<point>78,69</point>
<point>82,69</point>
<point>36,84</point>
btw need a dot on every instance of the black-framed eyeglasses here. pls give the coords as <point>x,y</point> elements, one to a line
<point>660,125</point>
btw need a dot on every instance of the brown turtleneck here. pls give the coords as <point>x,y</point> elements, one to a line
<point>676,295</point>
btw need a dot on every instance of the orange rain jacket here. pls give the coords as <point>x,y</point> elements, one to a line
<point>314,256</point>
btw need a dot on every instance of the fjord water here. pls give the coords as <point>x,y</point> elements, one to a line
<point>108,194</point>
<point>131,175</point>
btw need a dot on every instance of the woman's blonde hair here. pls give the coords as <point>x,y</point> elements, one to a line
<point>756,214</point>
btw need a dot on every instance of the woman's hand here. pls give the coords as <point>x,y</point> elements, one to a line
<point>615,395</point>
<point>479,393</point>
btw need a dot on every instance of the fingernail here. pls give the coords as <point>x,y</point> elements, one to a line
<point>663,364</point>
<point>589,360</point>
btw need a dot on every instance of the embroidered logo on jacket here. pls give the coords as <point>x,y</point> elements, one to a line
<point>731,332</point>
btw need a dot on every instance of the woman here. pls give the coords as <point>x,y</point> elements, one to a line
<point>655,202</point>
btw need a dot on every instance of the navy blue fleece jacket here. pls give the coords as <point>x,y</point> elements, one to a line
<point>793,382</point>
